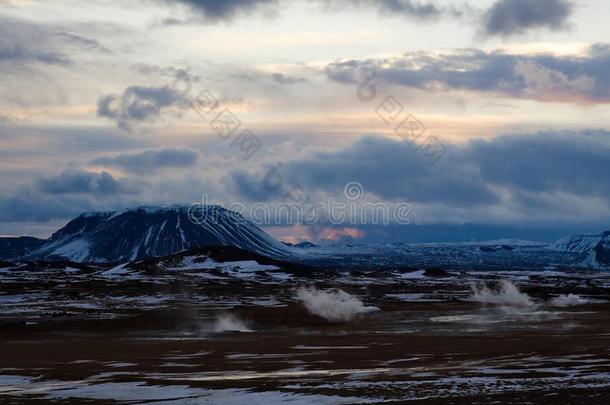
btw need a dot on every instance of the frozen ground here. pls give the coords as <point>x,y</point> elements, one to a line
<point>197,330</point>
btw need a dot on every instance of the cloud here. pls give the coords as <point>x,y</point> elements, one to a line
<point>215,11</point>
<point>547,179</point>
<point>84,182</point>
<point>66,195</point>
<point>510,17</point>
<point>24,42</point>
<point>212,11</point>
<point>21,42</point>
<point>69,193</point>
<point>152,160</point>
<point>525,175</point>
<point>408,8</point>
<point>570,162</point>
<point>89,44</point>
<point>20,208</point>
<point>18,54</point>
<point>281,79</point>
<point>339,234</point>
<point>543,77</point>
<point>249,185</point>
<point>138,103</point>
<point>395,171</point>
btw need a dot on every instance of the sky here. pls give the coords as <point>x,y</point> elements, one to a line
<point>390,120</point>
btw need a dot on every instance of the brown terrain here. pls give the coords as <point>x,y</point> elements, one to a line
<point>175,338</point>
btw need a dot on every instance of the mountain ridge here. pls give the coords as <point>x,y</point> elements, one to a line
<point>146,231</point>
<point>16,247</point>
<point>594,248</point>
<point>150,231</point>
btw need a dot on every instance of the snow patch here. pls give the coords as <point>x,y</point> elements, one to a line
<point>76,250</point>
<point>420,274</point>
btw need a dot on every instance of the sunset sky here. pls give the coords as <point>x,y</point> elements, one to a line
<point>94,114</point>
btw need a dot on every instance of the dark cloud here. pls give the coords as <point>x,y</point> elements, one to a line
<point>165,71</point>
<point>511,169</point>
<point>532,178</point>
<point>394,170</point>
<point>152,160</point>
<point>251,186</point>
<point>281,79</point>
<point>20,208</point>
<point>419,9</point>
<point>570,162</point>
<point>138,103</point>
<point>83,182</point>
<point>414,9</point>
<point>545,77</point>
<point>214,10</point>
<point>510,17</point>
<point>470,232</point>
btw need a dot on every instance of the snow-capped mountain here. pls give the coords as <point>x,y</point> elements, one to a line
<point>578,243</point>
<point>14,248</point>
<point>144,232</point>
<point>131,234</point>
<point>594,248</point>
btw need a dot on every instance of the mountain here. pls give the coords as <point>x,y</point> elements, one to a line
<point>301,245</point>
<point>145,232</point>
<point>593,248</point>
<point>14,248</point>
<point>131,234</point>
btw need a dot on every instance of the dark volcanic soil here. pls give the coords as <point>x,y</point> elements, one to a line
<point>172,339</point>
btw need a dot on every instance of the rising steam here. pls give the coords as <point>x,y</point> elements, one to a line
<point>506,294</point>
<point>229,323</point>
<point>334,306</point>
<point>568,300</point>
